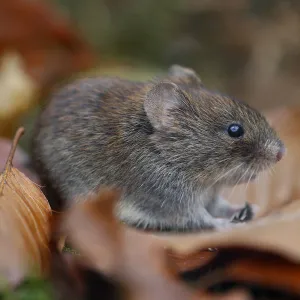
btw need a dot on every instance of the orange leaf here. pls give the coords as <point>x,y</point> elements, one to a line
<point>24,226</point>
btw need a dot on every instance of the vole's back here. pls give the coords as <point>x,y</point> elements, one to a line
<point>83,129</point>
<point>169,144</point>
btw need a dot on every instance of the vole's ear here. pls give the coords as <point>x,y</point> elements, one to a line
<point>160,101</point>
<point>182,73</point>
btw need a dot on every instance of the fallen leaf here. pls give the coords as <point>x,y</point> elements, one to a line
<point>251,270</point>
<point>50,45</point>
<point>186,262</point>
<point>19,92</point>
<point>17,88</point>
<point>25,220</point>
<point>38,48</point>
<point>278,234</point>
<point>134,259</point>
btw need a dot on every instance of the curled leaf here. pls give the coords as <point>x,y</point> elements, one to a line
<point>24,219</point>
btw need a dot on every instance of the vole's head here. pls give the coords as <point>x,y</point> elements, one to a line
<point>210,138</point>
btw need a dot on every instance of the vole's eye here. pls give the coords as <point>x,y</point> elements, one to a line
<point>235,130</point>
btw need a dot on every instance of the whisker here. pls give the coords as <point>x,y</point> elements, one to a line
<point>270,171</point>
<point>225,174</point>
<point>253,172</point>
<point>237,183</point>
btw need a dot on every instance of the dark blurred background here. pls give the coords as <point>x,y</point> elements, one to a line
<point>247,48</point>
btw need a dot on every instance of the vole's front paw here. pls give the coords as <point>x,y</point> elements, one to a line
<point>244,215</point>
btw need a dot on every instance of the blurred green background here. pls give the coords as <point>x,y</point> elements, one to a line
<point>248,48</point>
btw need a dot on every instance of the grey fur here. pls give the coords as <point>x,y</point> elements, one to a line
<point>164,142</point>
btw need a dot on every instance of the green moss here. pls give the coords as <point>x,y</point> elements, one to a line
<point>33,288</point>
<point>70,250</point>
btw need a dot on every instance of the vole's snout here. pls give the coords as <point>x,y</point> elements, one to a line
<point>280,152</point>
<point>276,151</point>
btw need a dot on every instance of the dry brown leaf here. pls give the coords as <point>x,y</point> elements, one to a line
<point>132,258</point>
<point>50,45</point>
<point>251,270</point>
<point>234,295</point>
<point>186,262</point>
<point>278,234</point>
<point>262,269</point>
<point>12,267</point>
<point>17,88</point>
<point>25,216</point>
<point>38,48</point>
<point>18,91</point>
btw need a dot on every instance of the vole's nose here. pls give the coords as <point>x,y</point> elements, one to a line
<point>280,153</point>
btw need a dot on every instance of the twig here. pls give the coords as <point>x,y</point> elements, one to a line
<point>8,164</point>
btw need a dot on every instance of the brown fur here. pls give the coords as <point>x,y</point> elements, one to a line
<point>164,142</point>
<point>273,190</point>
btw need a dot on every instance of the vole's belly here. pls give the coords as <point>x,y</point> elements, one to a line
<point>151,212</point>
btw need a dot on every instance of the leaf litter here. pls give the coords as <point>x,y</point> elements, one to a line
<point>257,261</point>
<point>120,262</point>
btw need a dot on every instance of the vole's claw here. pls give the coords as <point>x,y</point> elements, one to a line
<point>244,215</point>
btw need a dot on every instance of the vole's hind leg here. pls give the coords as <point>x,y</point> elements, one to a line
<point>220,208</point>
